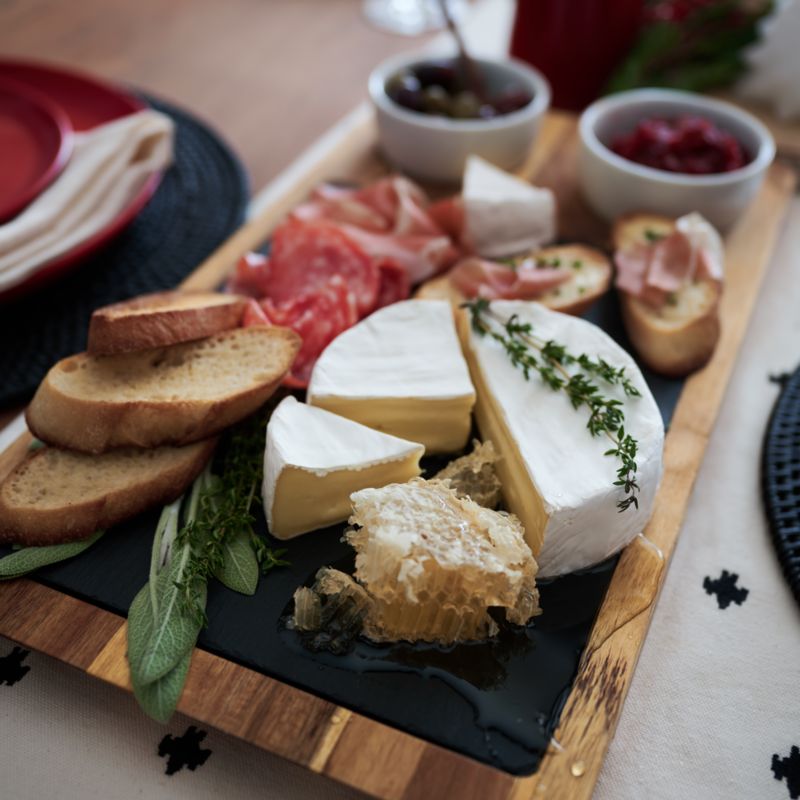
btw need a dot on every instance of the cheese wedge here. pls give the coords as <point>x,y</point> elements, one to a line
<point>400,371</point>
<point>554,474</point>
<point>504,215</point>
<point>314,460</point>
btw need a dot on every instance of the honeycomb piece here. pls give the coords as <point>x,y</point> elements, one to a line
<point>435,563</point>
<point>474,475</point>
<point>307,610</point>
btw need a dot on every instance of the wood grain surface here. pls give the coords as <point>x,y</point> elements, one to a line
<point>361,752</point>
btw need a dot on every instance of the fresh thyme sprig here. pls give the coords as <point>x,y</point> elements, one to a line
<point>223,511</point>
<point>531,354</point>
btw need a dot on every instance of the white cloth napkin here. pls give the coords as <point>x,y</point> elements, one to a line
<point>108,167</point>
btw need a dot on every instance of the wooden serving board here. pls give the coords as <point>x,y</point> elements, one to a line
<point>354,749</point>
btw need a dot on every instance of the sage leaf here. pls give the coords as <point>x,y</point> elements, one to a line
<point>140,629</point>
<point>239,570</point>
<point>175,627</point>
<point>159,699</point>
<point>29,559</point>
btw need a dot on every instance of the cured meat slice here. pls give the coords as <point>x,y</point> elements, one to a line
<point>670,263</point>
<point>391,205</point>
<point>411,216</point>
<point>394,285</point>
<point>306,255</point>
<point>449,216</point>
<point>342,205</point>
<point>251,277</point>
<point>319,316</point>
<point>254,315</point>
<point>477,277</point>
<point>652,271</point>
<point>421,256</point>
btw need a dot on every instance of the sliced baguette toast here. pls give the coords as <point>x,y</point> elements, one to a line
<point>161,319</point>
<point>56,496</point>
<point>169,395</point>
<point>590,279</point>
<point>679,337</point>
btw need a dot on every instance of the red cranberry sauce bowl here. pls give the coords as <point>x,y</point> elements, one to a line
<point>691,144</point>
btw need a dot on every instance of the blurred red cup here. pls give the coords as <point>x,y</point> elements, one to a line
<point>576,43</point>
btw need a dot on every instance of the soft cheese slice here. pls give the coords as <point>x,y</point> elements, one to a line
<point>400,371</point>
<point>503,214</point>
<point>314,460</point>
<point>555,475</point>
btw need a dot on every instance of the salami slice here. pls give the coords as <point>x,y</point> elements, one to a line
<point>254,315</point>
<point>306,255</point>
<point>395,285</point>
<point>251,277</point>
<point>319,316</point>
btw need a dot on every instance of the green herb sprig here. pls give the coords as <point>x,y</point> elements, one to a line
<point>219,528</point>
<point>653,236</point>
<point>549,359</point>
<point>207,534</point>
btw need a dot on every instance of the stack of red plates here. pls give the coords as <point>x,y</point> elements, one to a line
<point>40,109</point>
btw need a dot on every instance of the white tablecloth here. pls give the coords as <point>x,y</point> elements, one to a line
<point>714,702</point>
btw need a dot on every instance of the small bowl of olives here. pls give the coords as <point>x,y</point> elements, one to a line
<point>434,112</point>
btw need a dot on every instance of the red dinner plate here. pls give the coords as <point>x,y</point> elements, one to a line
<point>87,102</point>
<point>35,144</point>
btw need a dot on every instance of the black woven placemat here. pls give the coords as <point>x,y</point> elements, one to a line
<point>200,202</point>
<point>780,475</point>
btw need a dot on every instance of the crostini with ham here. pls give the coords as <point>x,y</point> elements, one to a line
<point>567,278</point>
<point>669,277</point>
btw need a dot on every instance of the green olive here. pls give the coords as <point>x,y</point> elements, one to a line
<point>465,105</point>
<point>437,101</point>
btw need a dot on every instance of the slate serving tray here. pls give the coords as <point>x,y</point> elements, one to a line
<point>498,703</point>
<point>353,748</point>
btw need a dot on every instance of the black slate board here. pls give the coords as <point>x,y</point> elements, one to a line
<point>497,702</point>
<point>780,477</point>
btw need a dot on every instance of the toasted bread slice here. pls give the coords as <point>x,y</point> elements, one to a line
<point>161,319</point>
<point>679,337</point>
<point>590,279</point>
<point>56,496</point>
<point>633,229</point>
<point>170,395</point>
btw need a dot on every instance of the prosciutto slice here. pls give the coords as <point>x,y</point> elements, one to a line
<point>651,272</point>
<point>392,205</point>
<point>422,256</point>
<point>477,277</point>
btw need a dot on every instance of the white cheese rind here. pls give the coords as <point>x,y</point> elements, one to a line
<point>565,465</point>
<point>408,349</point>
<point>317,442</point>
<point>504,215</point>
<point>401,371</point>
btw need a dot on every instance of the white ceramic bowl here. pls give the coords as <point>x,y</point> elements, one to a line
<point>435,148</point>
<point>614,186</point>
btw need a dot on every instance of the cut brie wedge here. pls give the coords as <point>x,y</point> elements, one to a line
<point>555,475</point>
<point>314,460</point>
<point>400,371</point>
<point>504,215</point>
